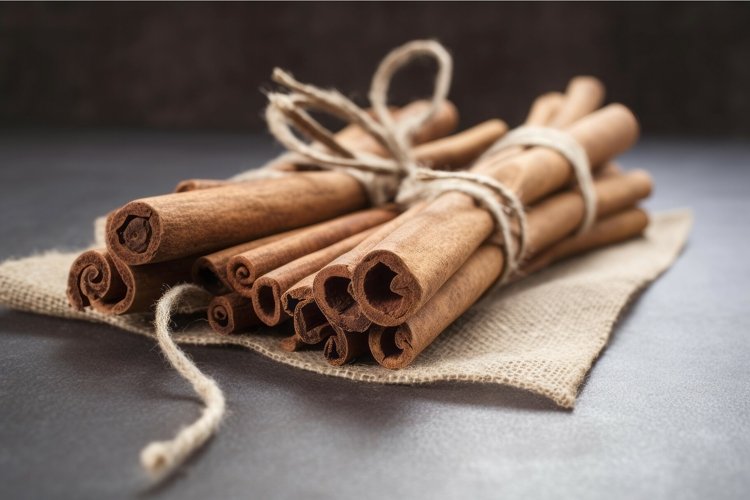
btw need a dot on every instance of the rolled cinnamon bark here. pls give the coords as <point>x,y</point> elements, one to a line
<point>210,271</point>
<point>459,150</point>
<point>615,228</point>
<point>389,291</point>
<point>343,347</point>
<point>99,280</point>
<point>406,268</point>
<point>244,268</point>
<point>332,284</point>
<point>231,313</point>
<point>172,226</point>
<point>310,325</point>
<point>396,347</point>
<point>267,290</point>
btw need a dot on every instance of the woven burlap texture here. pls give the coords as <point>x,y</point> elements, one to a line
<point>541,334</point>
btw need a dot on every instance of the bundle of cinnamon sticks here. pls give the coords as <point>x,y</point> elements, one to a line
<point>305,251</point>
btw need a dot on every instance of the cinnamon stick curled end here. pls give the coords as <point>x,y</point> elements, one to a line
<point>134,233</point>
<point>386,290</point>
<point>266,297</point>
<point>344,347</point>
<point>309,322</point>
<point>231,313</point>
<point>391,346</point>
<point>335,296</point>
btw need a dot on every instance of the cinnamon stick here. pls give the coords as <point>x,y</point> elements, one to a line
<point>210,271</point>
<point>310,325</point>
<point>231,313</point>
<point>396,347</point>
<point>343,347</point>
<point>616,228</point>
<point>244,268</point>
<point>267,290</point>
<point>108,285</point>
<point>408,266</point>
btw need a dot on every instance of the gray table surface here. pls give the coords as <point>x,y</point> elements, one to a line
<point>665,412</point>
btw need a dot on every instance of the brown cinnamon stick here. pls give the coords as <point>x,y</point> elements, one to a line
<point>244,268</point>
<point>343,347</point>
<point>396,347</point>
<point>407,267</point>
<point>231,313</point>
<point>460,149</point>
<point>99,280</point>
<point>267,290</point>
<point>615,228</point>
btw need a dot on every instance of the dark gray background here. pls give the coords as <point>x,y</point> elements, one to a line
<point>682,66</point>
<point>665,412</point>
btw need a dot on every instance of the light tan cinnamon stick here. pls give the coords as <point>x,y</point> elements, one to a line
<point>99,280</point>
<point>396,347</point>
<point>231,313</point>
<point>244,268</point>
<point>403,271</point>
<point>269,288</point>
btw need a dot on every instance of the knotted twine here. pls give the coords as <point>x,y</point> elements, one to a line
<point>398,177</point>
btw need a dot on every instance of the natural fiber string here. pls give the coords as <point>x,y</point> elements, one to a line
<point>567,146</point>
<point>159,458</point>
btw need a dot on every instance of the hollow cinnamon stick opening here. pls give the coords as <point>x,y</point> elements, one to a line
<point>175,225</point>
<point>395,347</point>
<point>389,289</point>
<point>310,325</point>
<point>267,290</point>
<point>343,347</point>
<point>332,284</point>
<point>231,313</point>
<point>243,269</point>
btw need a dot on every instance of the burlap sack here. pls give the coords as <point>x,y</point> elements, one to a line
<point>541,334</point>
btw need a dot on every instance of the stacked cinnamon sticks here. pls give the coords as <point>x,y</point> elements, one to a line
<point>304,249</point>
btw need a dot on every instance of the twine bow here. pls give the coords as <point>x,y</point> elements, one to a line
<point>398,177</point>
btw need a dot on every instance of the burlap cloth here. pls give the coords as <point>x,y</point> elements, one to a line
<point>541,334</point>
